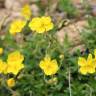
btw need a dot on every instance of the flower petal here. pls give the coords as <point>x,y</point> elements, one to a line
<point>89,59</point>
<point>83,70</point>
<point>82,61</point>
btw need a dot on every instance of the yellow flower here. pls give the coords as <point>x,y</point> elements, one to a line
<point>14,68</point>
<point>35,23</point>
<point>86,66</point>
<point>3,66</point>
<point>50,67</point>
<point>17,26</point>
<point>41,25</point>
<point>11,82</point>
<point>26,12</point>
<point>14,62</point>
<point>15,57</point>
<point>1,51</point>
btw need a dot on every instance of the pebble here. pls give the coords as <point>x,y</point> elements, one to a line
<point>94,10</point>
<point>35,9</point>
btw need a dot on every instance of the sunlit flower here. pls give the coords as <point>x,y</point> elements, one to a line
<point>11,82</point>
<point>50,67</point>
<point>14,68</point>
<point>17,26</point>
<point>86,66</point>
<point>15,57</point>
<point>41,25</point>
<point>1,51</point>
<point>15,62</point>
<point>26,12</point>
<point>3,66</point>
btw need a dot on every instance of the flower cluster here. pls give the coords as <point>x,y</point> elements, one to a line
<point>41,25</point>
<point>37,24</point>
<point>50,67</point>
<point>87,66</point>
<point>18,24</point>
<point>14,63</point>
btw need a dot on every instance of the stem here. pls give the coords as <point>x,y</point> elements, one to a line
<point>3,20</point>
<point>45,81</point>
<point>60,63</point>
<point>90,89</point>
<point>30,92</point>
<point>69,80</point>
<point>47,37</point>
<point>12,92</point>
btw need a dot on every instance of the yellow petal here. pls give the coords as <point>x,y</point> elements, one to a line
<point>46,19</point>
<point>89,59</point>
<point>95,53</point>
<point>82,61</point>
<point>26,12</point>
<point>91,69</point>
<point>17,26</point>
<point>49,26</point>
<point>83,70</point>
<point>50,67</point>
<point>11,82</point>
<point>42,64</point>
<point>47,58</point>
<point>40,30</point>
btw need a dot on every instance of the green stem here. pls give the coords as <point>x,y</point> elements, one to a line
<point>90,89</point>
<point>45,81</point>
<point>69,80</point>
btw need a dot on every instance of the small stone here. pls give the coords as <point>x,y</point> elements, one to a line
<point>9,4</point>
<point>16,7</point>
<point>35,10</point>
<point>1,3</point>
<point>94,10</point>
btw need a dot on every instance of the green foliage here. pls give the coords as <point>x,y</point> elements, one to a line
<point>31,81</point>
<point>67,6</point>
<point>88,34</point>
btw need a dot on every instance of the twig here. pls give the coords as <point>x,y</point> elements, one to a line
<point>90,89</point>
<point>69,81</point>
<point>3,20</point>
